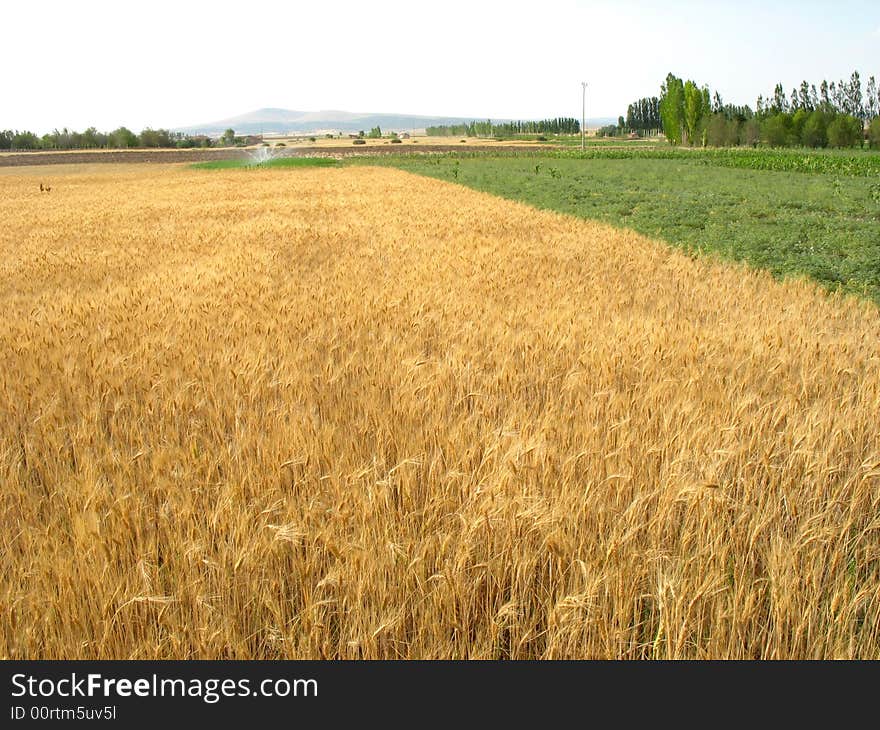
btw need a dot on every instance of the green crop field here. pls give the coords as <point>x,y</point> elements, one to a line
<point>795,213</point>
<point>839,162</point>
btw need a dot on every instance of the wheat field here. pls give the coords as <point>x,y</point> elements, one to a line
<point>355,413</point>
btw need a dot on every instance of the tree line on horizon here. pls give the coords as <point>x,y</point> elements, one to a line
<point>91,138</point>
<point>831,115</point>
<point>644,116</point>
<point>835,114</point>
<point>558,125</point>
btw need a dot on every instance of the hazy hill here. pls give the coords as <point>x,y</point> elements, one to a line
<point>288,120</point>
<point>282,121</point>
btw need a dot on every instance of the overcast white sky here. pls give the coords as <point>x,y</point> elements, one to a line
<point>167,64</point>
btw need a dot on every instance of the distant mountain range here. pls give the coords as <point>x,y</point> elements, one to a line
<point>285,121</point>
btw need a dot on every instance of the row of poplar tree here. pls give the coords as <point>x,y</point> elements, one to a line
<point>836,114</point>
<point>559,125</point>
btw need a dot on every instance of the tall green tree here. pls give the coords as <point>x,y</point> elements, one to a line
<point>871,99</point>
<point>780,103</point>
<point>672,108</point>
<point>696,108</point>
<point>827,95</point>
<point>854,106</point>
<point>838,95</point>
<point>804,100</point>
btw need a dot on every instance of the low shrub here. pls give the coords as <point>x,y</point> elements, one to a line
<point>845,131</point>
<point>874,134</point>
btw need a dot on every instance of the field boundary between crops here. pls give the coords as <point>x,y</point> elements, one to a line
<point>164,156</point>
<point>795,223</point>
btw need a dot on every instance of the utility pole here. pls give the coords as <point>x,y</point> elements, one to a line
<point>583,115</point>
